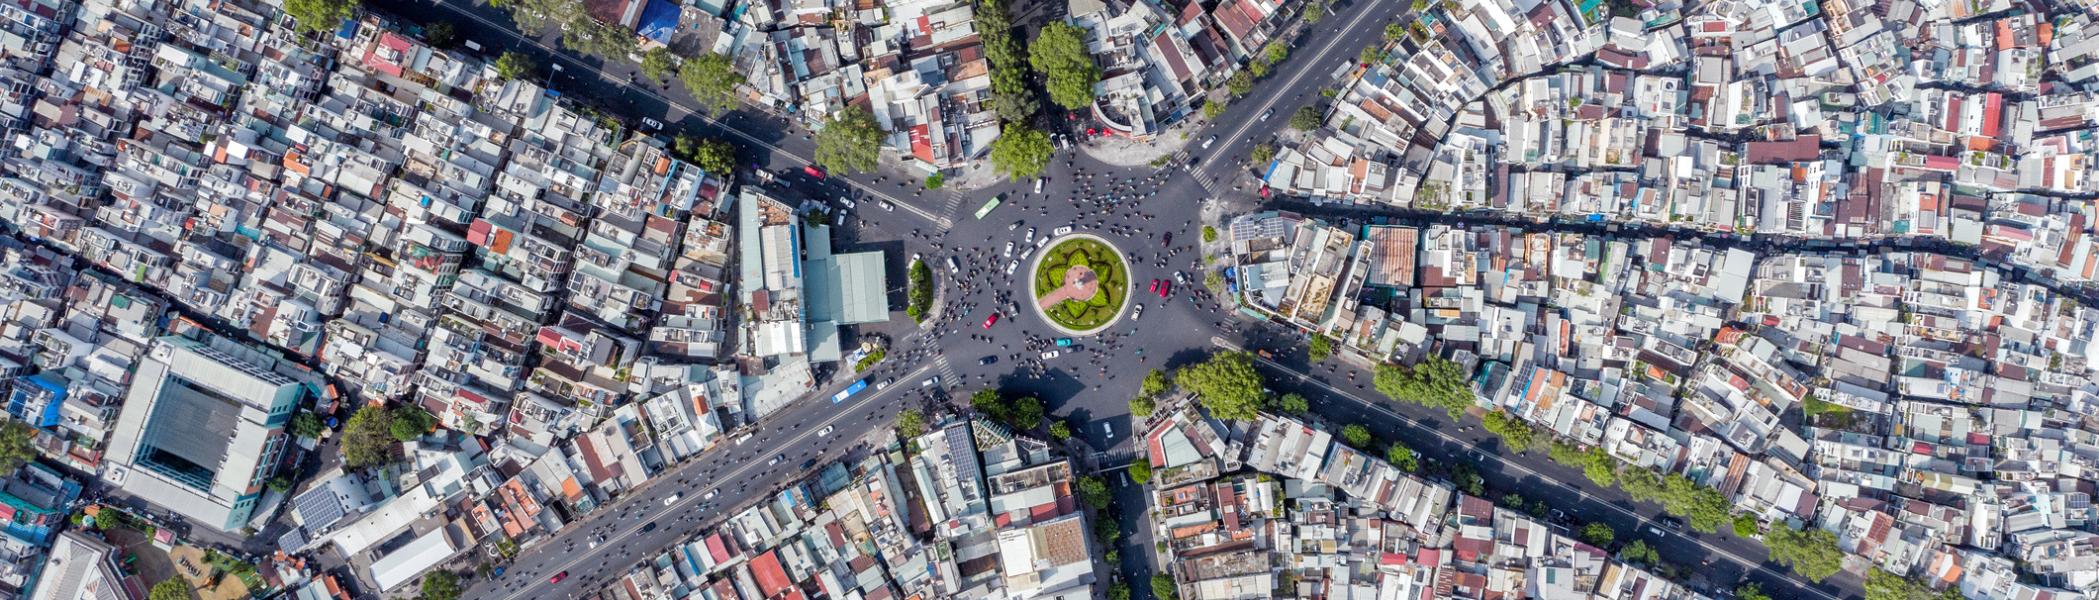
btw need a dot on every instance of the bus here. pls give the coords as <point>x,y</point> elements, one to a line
<point>849,391</point>
<point>990,206</point>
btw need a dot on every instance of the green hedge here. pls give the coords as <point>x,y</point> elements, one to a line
<point>1107,268</point>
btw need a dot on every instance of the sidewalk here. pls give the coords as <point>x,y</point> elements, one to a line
<point>1126,152</point>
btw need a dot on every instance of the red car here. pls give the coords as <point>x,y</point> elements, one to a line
<point>1155,286</point>
<point>558,577</point>
<point>991,320</point>
<point>813,171</point>
<point>1165,287</point>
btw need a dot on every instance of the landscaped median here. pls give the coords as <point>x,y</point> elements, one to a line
<point>1081,284</point>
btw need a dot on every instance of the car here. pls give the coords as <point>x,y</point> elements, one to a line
<point>672,499</point>
<point>815,171</point>
<point>1014,225</point>
<point>1108,429</point>
<point>953,268</point>
<point>888,206</point>
<point>1209,141</point>
<point>1136,312</point>
<point>774,461</point>
<point>1155,286</point>
<point>885,383</point>
<point>558,577</point>
<point>1165,288</point>
<point>847,202</point>
<point>990,320</point>
<point>1064,342</point>
<point>1038,185</point>
<point>989,359</point>
<point>1051,354</point>
<point>1009,250</point>
<point>651,526</point>
<point>1673,523</point>
<point>930,381</point>
<point>648,124</point>
<point>1031,235</point>
<point>1060,231</point>
<point>1267,113</point>
<point>1180,278</point>
<point>594,544</point>
<point>1011,265</point>
<point>710,495</point>
<point>826,431</point>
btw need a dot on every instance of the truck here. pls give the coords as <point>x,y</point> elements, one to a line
<point>849,391</point>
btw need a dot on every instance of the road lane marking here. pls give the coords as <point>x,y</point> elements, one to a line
<point>732,476</point>
<point>679,107</point>
<point>1506,463</point>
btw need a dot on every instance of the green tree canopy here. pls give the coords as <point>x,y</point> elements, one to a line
<point>306,425</point>
<point>712,155</point>
<point>1163,588</point>
<point>1315,11</point>
<point>1356,435</point>
<point>1240,83</point>
<point>1142,407</point>
<point>659,64</point>
<point>1403,457</point>
<point>850,142</point>
<point>1518,434</point>
<point>1434,382</point>
<point>1094,492</point>
<point>1751,591</point>
<point>1021,152</point>
<point>1212,109</point>
<point>367,438</point>
<point>1261,154</point>
<point>515,65</point>
<point>440,34</point>
<point>1060,429</point>
<point>1812,554</point>
<point>1141,472</point>
<point>1226,384</point>
<point>1704,509</point>
<point>441,584</point>
<point>712,80</point>
<point>1306,118</point>
<point>1883,585</point>
<point>1068,71</point>
<point>410,422</point>
<point>1639,552</point>
<point>1321,348</point>
<point>1022,413</point>
<point>1154,383</point>
<point>1276,52</point>
<point>1294,403</point>
<point>169,589</point>
<point>1598,535</point>
<point>320,15</point>
<point>1746,525</point>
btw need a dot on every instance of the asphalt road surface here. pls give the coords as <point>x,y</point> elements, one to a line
<point>1090,385</point>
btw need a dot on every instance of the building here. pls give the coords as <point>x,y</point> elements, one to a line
<point>189,385</point>
<point>83,566</point>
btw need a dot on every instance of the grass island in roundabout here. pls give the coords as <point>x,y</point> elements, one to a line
<point>1081,284</point>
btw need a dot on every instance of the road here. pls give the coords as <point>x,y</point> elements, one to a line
<point>1089,386</point>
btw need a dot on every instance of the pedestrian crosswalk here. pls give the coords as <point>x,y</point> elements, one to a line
<point>947,369</point>
<point>954,201</point>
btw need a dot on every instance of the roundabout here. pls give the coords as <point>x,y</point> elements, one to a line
<point>1081,284</point>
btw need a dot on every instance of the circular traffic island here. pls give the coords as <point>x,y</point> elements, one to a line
<point>1081,284</point>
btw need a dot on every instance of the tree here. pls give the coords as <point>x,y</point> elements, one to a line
<point>1746,525</point>
<point>1356,435</point>
<point>1141,472</point>
<point>1118,589</point>
<point>169,589</point>
<point>1261,154</point>
<point>320,15</point>
<point>1276,52</point>
<point>1883,585</point>
<point>1403,457</point>
<point>1394,31</point>
<point>366,440</point>
<point>1212,108</point>
<point>1163,589</point>
<point>1642,484</point>
<point>1512,430</point>
<point>712,80</point>
<point>409,423</point>
<point>1434,382</point>
<point>515,65</point>
<point>1306,118</point>
<point>1467,478</point>
<point>1294,403</point>
<point>1094,492</point>
<point>1321,348</point>
<point>1639,552</point>
<point>1142,407</point>
<point>1369,55</point>
<point>1751,591</point>
<point>1060,429</point>
<point>1259,67</point>
<point>1021,152</point>
<point>1704,509</point>
<point>1240,83</point>
<point>713,155</point>
<point>306,425</point>
<point>850,141</point>
<point>1812,554</point>
<point>910,423</point>
<point>1315,11</point>
<point>934,181</point>
<point>1598,535</point>
<point>441,585</point>
<point>279,484</point>
<point>1154,383</point>
<point>659,64</point>
<point>440,34</point>
<point>1068,71</point>
<point>1106,531</point>
<point>1226,384</point>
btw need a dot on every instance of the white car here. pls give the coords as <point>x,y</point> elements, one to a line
<point>1137,312</point>
<point>1010,266</point>
<point>826,431</point>
<point>1038,185</point>
<point>1108,429</point>
<point>1031,235</point>
<point>1209,141</point>
<point>672,499</point>
<point>1051,354</point>
<point>1015,225</point>
<point>953,268</point>
<point>848,202</point>
<point>1060,231</point>
<point>774,461</point>
<point>710,495</point>
<point>1009,249</point>
<point>648,124</point>
<point>887,206</point>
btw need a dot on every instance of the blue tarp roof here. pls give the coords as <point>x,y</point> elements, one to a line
<point>658,21</point>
